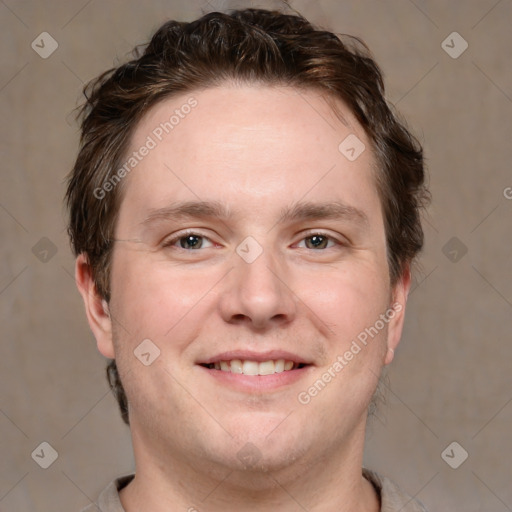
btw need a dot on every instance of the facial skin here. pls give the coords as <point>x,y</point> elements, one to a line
<point>262,154</point>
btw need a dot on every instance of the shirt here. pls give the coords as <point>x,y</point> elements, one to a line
<point>391,497</point>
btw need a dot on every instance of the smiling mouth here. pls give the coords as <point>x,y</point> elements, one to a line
<point>248,367</point>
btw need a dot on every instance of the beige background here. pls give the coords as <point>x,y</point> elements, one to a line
<point>451,380</point>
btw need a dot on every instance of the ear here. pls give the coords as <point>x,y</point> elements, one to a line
<point>400,293</point>
<point>96,307</point>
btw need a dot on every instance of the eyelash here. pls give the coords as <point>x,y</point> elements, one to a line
<point>323,235</point>
<point>171,242</point>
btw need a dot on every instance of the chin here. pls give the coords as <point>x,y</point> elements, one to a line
<point>258,449</point>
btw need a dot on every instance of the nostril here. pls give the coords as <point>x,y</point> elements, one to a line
<point>238,317</point>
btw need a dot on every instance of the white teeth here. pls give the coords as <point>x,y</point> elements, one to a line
<point>236,366</point>
<point>279,366</point>
<point>266,368</point>
<point>249,367</point>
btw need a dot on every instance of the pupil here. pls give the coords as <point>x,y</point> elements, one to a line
<point>317,241</point>
<point>191,241</point>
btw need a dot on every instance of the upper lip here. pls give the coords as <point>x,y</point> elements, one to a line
<point>248,355</point>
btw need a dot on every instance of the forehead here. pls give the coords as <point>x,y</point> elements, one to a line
<point>249,142</point>
<point>245,108</point>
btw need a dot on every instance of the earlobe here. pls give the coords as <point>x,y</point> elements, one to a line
<point>397,314</point>
<point>389,356</point>
<point>96,307</point>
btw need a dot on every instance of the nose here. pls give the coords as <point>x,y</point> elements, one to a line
<point>257,294</point>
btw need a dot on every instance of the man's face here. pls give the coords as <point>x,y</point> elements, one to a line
<point>249,243</point>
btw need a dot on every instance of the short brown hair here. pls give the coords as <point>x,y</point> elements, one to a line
<point>246,46</point>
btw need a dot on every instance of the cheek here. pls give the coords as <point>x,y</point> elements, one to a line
<point>347,301</point>
<point>154,299</point>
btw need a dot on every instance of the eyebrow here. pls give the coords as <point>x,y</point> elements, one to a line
<point>297,212</point>
<point>319,211</point>
<point>188,209</point>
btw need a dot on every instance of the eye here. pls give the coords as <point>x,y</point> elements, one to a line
<point>189,241</point>
<point>317,241</point>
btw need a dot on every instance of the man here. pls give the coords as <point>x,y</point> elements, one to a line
<point>245,210</point>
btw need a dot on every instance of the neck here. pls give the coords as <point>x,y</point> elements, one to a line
<point>332,481</point>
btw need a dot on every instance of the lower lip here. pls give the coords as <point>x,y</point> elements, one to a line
<point>257,383</point>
